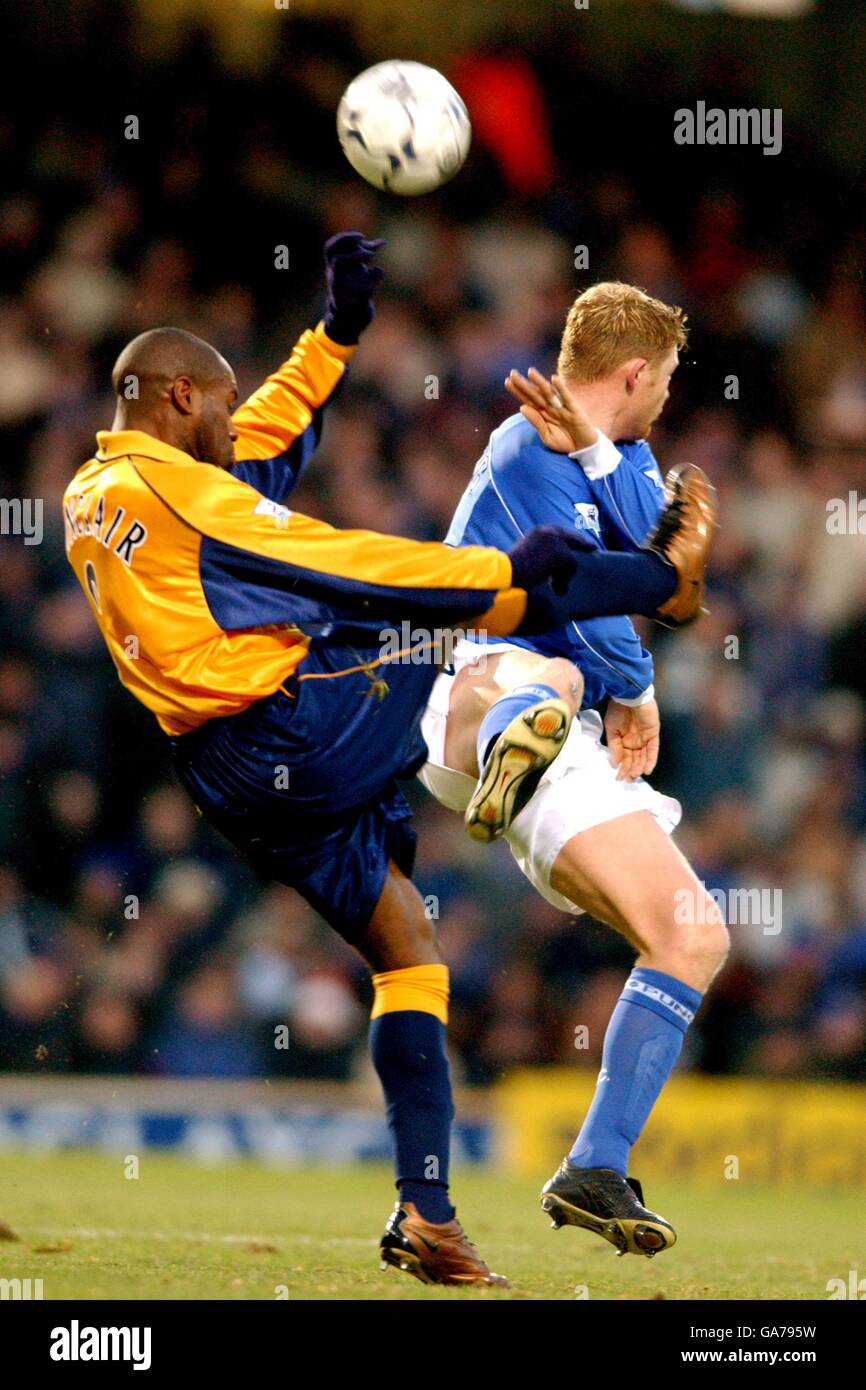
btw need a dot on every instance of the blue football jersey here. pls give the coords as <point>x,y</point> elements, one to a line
<point>519,483</point>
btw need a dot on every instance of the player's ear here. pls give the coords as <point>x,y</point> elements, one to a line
<point>182,395</point>
<point>633,370</point>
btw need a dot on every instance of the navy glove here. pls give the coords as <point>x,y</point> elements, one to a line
<point>546,552</point>
<point>352,283</point>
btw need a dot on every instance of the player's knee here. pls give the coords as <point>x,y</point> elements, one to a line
<point>693,943</point>
<point>706,940</point>
<point>714,944</point>
<point>563,677</point>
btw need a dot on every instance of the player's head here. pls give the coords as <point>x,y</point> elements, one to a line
<point>617,335</point>
<point>176,386</point>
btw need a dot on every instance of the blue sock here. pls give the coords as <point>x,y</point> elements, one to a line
<point>641,1046</point>
<point>604,583</point>
<point>500,715</point>
<point>408,1049</point>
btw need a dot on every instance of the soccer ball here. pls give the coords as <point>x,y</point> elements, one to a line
<point>403,127</point>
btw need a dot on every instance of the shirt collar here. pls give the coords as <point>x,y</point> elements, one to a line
<point>112,444</point>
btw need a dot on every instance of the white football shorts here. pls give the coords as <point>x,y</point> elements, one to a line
<point>578,790</point>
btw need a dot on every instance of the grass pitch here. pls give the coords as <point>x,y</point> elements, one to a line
<point>185,1230</point>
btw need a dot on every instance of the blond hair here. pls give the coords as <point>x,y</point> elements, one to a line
<point>609,324</point>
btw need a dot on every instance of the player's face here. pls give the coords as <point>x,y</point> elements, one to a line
<point>215,434</point>
<point>652,389</point>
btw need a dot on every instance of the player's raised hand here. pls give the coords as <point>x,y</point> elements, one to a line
<point>553,410</point>
<point>352,281</point>
<point>633,738</point>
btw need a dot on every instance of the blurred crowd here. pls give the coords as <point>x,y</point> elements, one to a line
<point>131,938</point>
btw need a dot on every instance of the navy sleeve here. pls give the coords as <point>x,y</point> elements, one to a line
<point>275,478</point>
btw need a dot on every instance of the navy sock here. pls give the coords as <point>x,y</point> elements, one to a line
<point>602,585</point>
<point>408,1049</point>
<point>500,714</point>
<point>642,1043</point>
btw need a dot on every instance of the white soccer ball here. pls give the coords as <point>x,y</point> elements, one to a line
<point>403,127</point>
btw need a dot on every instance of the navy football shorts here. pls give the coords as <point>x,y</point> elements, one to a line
<point>304,782</point>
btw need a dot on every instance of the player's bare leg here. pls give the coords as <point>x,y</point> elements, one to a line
<point>659,905</point>
<point>399,935</point>
<point>663,910</point>
<point>423,1236</point>
<point>510,716</point>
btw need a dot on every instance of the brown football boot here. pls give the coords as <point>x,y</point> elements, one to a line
<point>435,1254</point>
<point>683,536</point>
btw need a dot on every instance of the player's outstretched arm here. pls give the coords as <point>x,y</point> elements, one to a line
<point>279,425</point>
<point>268,560</point>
